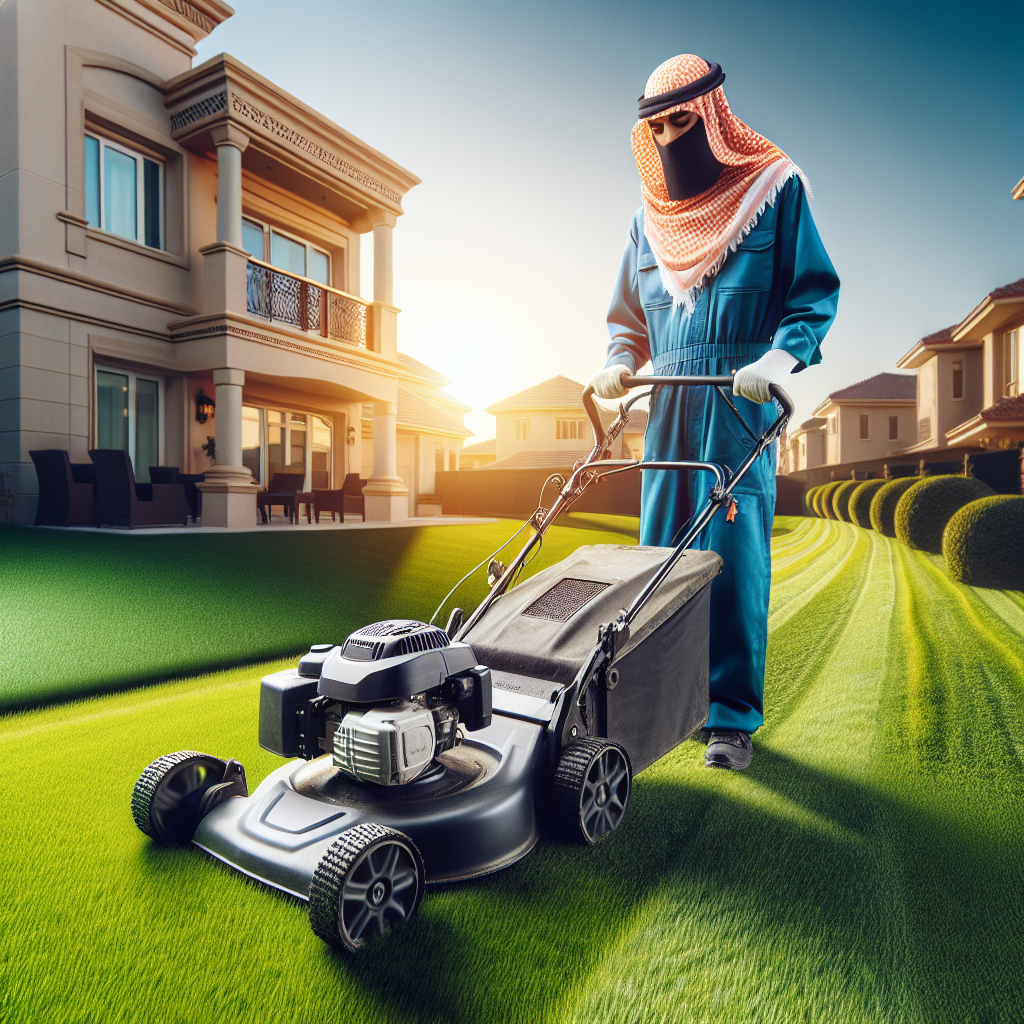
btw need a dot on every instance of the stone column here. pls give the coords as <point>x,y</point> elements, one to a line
<point>383,264</point>
<point>383,322</point>
<point>229,491</point>
<point>230,143</point>
<point>387,497</point>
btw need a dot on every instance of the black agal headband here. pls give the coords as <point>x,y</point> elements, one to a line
<point>663,101</point>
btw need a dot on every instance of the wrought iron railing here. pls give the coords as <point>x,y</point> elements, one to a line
<point>305,304</point>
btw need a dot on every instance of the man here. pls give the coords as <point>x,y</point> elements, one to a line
<point>723,272</point>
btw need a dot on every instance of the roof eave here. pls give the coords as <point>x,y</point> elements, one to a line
<point>986,317</point>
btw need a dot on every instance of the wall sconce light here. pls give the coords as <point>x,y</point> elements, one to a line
<point>352,436</point>
<point>205,407</point>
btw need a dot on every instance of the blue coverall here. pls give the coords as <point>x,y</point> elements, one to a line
<point>778,289</point>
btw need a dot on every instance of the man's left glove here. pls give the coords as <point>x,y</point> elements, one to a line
<point>772,368</point>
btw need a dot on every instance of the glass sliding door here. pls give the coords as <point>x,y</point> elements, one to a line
<point>252,451</point>
<point>147,428</point>
<point>111,410</point>
<point>320,455</point>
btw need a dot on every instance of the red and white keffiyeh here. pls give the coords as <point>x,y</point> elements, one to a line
<point>691,238</point>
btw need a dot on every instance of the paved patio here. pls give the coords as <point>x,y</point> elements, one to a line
<point>281,523</point>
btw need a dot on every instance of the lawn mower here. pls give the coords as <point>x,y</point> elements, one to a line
<point>428,755</point>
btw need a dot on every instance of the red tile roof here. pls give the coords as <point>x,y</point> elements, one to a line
<point>1005,409</point>
<point>557,393</point>
<point>893,386</point>
<point>539,460</point>
<point>939,337</point>
<point>1008,291</point>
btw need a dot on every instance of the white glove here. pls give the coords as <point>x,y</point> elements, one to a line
<point>772,368</point>
<point>607,383</point>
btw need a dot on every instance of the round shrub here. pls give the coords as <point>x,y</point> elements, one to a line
<point>824,498</point>
<point>841,499</point>
<point>809,500</point>
<point>983,543</point>
<point>816,500</point>
<point>883,504</point>
<point>925,508</point>
<point>860,502</point>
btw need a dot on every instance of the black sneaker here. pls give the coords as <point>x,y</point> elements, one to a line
<point>729,750</point>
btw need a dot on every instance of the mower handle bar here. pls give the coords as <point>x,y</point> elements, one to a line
<point>633,381</point>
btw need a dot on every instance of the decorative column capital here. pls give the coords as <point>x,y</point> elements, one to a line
<point>227,134</point>
<point>226,375</point>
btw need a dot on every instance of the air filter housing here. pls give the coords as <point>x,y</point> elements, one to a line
<point>393,637</point>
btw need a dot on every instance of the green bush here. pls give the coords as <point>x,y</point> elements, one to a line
<point>815,500</point>
<point>883,504</point>
<point>841,499</point>
<point>824,498</point>
<point>860,502</point>
<point>925,508</point>
<point>983,543</point>
<point>808,500</point>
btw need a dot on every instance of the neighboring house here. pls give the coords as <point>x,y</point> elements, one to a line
<point>806,446</point>
<point>175,234</point>
<point>870,419</point>
<point>969,377</point>
<point>544,426</point>
<point>633,435</point>
<point>476,456</point>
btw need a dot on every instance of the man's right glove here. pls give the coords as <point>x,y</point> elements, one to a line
<point>607,383</point>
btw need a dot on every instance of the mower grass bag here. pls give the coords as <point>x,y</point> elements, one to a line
<point>536,636</point>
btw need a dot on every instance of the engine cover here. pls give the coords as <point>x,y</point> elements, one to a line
<point>395,744</point>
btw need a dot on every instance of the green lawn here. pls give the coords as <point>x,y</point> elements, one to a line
<point>868,867</point>
<point>87,613</point>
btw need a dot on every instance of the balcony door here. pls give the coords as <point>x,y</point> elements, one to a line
<point>129,417</point>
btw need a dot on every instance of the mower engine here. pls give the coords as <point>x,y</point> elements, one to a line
<point>384,705</point>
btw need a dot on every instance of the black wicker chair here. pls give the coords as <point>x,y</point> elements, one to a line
<point>348,499</point>
<point>120,501</point>
<point>66,490</point>
<point>282,491</point>
<point>172,475</point>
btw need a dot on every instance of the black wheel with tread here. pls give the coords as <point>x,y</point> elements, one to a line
<point>176,790</point>
<point>369,880</point>
<point>590,790</point>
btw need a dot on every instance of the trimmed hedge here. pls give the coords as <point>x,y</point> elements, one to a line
<point>824,499</point>
<point>860,502</point>
<point>841,499</point>
<point>925,508</point>
<point>983,543</point>
<point>809,499</point>
<point>816,500</point>
<point>883,504</point>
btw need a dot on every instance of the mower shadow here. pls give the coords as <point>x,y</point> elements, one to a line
<point>521,944</point>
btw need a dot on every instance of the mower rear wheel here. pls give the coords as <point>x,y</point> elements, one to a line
<point>176,790</point>
<point>369,880</point>
<point>591,787</point>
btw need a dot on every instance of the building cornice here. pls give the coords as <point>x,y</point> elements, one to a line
<point>987,316</point>
<point>878,403</point>
<point>920,354</point>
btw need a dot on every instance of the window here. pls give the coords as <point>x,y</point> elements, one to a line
<point>123,192</point>
<point>522,430</point>
<point>281,441</point>
<point>894,428</point>
<point>292,255</point>
<point>1011,363</point>
<point>958,378</point>
<point>128,417</point>
<point>569,430</point>
<point>865,424</point>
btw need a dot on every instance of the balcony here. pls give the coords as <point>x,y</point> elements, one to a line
<point>306,304</point>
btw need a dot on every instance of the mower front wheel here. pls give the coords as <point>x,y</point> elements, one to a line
<point>591,788</point>
<point>369,880</point>
<point>177,790</point>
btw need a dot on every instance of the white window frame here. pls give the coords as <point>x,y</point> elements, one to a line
<point>286,443</point>
<point>133,377</point>
<point>265,258</point>
<point>569,430</point>
<point>522,430</point>
<point>140,192</point>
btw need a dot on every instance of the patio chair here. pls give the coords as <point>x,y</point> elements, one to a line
<point>348,499</point>
<point>120,501</point>
<point>172,475</point>
<point>66,489</point>
<point>285,490</point>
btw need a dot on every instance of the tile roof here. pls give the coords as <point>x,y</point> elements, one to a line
<point>480,448</point>
<point>814,421</point>
<point>893,386</point>
<point>637,421</point>
<point>1005,409</point>
<point>422,370</point>
<point>539,460</point>
<point>939,337</point>
<point>414,412</point>
<point>1014,290</point>
<point>556,393</point>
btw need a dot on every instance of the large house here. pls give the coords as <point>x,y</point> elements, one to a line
<point>179,259</point>
<point>546,427</point>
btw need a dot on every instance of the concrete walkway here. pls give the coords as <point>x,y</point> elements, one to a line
<point>282,524</point>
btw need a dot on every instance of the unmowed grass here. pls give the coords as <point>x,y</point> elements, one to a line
<point>867,867</point>
<point>86,613</point>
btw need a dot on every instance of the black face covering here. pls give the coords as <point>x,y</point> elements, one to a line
<point>688,163</point>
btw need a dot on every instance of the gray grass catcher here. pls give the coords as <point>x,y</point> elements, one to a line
<point>419,754</point>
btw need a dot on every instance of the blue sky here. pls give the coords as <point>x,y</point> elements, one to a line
<point>908,120</point>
